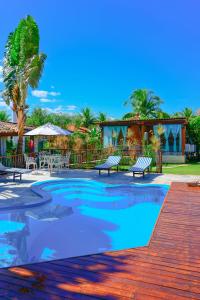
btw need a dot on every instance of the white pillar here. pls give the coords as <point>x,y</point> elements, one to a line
<point>14,117</point>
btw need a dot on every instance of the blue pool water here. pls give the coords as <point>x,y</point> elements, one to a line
<point>83,217</point>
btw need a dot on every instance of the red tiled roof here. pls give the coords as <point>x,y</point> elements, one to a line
<point>10,128</point>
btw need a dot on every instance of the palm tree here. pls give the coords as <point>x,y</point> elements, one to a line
<point>145,103</point>
<point>88,118</point>
<point>163,115</point>
<point>102,117</point>
<point>187,113</point>
<point>4,116</point>
<point>129,115</point>
<point>22,68</point>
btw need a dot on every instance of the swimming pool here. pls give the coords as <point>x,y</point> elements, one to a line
<point>83,217</point>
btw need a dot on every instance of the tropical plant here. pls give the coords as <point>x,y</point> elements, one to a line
<point>102,117</point>
<point>163,115</point>
<point>94,137</point>
<point>145,103</point>
<point>4,116</point>
<point>129,115</point>
<point>38,117</point>
<point>22,68</point>
<point>194,130</point>
<point>87,116</point>
<point>187,113</point>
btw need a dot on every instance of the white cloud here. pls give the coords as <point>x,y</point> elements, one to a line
<point>1,74</point>
<point>46,100</point>
<point>3,104</point>
<point>71,107</point>
<point>40,94</point>
<point>58,109</point>
<point>53,94</point>
<point>70,113</point>
<point>44,94</point>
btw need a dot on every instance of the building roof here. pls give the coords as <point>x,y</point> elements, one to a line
<point>10,128</point>
<point>149,122</point>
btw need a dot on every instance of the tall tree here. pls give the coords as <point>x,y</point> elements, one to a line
<point>22,68</point>
<point>88,118</point>
<point>145,103</point>
<point>129,115</point>
<point>4,116</point>
<point>163,115</point>
<point>187,113</point>
<point>38,117</point>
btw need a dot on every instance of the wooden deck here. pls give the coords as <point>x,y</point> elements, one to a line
<point>169,268</point>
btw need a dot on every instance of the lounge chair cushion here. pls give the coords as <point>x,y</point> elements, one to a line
<point>13,170</point>
<point>141,164</point>
<point>109,163</point>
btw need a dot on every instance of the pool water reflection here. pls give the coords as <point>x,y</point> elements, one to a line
<point>84,217</point>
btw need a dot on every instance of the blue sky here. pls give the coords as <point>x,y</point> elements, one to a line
<point>99,51</point>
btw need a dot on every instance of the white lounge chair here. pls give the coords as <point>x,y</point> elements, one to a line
<point>142,164</point>
<point>16,172</point>
<point>112,161</point>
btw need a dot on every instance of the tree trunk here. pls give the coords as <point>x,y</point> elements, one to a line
<point>159,161</point>
<point>20,126</point>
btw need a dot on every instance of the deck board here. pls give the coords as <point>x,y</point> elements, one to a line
<point>167,269</point>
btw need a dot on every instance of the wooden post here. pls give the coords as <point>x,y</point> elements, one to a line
<point>183,134</point>
<point>142,136</point>
<point>159,161</point>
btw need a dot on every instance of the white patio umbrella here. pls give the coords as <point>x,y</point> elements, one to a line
<point>48,130</point>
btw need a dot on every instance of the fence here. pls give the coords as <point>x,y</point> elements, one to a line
<point>16,161</point>
<point>87,158</point>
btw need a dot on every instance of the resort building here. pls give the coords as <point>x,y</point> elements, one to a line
<point>9,133</point>
<point>133,132</point>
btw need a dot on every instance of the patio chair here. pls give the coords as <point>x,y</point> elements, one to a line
<point>112,161</point>
<point>30,161</point>
<point>65,160</point>
<point>55,162</point>
<point>142,164</point>
<point>16,172</point>
<point>43,160</point>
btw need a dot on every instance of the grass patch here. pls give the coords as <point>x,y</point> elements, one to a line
<point>177,169</point>
<point>181,169</point>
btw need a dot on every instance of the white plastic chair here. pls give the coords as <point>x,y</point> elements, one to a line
<point>30,161</point>
<point>66,159</point>
<point>55,162</point>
